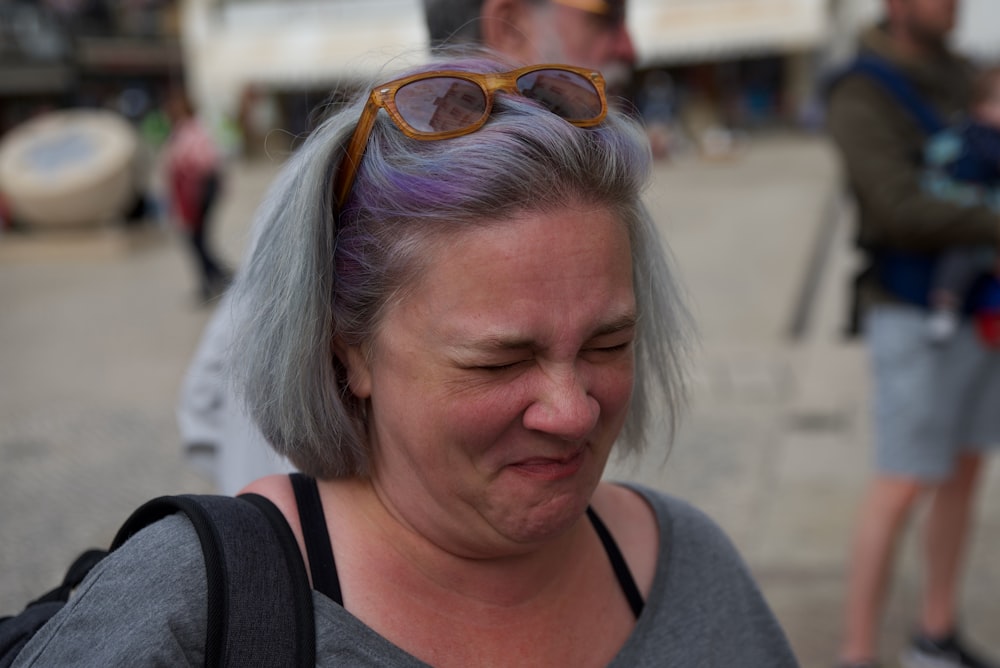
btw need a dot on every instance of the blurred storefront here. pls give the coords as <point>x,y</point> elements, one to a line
<point>277,63</point>
<point>710,66</point>
<point>743,61</point>
<point>266,64</point>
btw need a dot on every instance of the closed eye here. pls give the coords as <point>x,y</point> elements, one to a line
<point>504,366</point>
<point>613,348</point>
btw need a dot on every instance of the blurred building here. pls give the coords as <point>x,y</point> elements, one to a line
<point>85,53</point>
<point>728,62</point>
<point>277,63</point>
<point>750,63</point>
<point>732,62</point>
<point>268,64</point>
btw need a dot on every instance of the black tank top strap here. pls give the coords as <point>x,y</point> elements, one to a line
<point>622,572</point>
<point>322,567</point>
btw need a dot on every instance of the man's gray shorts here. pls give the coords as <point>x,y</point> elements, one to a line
<point>930,401</point>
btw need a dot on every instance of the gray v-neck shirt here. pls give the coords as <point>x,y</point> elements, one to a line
<point>146,605</point>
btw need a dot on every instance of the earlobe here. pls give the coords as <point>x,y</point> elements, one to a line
<point>505,27</point>
<point>356,365</point>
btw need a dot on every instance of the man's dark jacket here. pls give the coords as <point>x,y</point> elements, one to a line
<point>881,146</point>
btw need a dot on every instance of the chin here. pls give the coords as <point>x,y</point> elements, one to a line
<point>545,521</point>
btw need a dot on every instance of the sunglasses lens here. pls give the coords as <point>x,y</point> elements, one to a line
<point>566,94</point>
<point>440,104</point>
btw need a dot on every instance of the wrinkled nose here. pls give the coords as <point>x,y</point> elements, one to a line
<point>563,407</point>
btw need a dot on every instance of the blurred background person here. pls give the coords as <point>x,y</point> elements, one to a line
<point>194,172</point>
<point>218,437</point>
<point>935,406</point>
<point>657,103</point>
<point>588,33</point>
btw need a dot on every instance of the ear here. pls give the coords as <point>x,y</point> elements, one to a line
<point>508,27</point>
<point>359,377</point>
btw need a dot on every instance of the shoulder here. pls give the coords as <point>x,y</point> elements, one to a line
<point>694,553</point>
<point>681,521</point>
<point>278,489</point>
<point>704,591</point>
<point>158,576</point>
<point>658,533</point>
<point>634,525</point>
<point>855,97</point>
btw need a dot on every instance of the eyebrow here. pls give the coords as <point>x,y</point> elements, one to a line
<point>500,342</point>
<point>623,322</point>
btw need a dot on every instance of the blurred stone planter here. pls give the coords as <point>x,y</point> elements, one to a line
<point>71,169</point>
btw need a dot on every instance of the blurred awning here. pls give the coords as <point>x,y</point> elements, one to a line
<point>674,31</point>
<point>298,43</point>
<point>230,44</point>
<point>35,78</point>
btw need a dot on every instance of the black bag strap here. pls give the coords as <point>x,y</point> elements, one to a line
<point>259,600</point>
<point>312,519</point>
<point>898,85</point>
<point>894,82</point>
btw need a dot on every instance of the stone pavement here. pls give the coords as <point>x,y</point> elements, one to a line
<point>95,336</point>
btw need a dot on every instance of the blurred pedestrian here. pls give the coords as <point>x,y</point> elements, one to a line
<point>194,176</point>
<point>218,437</point>
<point>935,406</point>
<point>657,103</point>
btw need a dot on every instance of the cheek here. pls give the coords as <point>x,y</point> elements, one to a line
<point>614,389</point>
<point>475,417</point>
<point>610,384</point>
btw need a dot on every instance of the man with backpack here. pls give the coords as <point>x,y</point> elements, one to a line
<point>934,406</point>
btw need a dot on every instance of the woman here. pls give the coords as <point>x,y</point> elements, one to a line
<point>450,325</point>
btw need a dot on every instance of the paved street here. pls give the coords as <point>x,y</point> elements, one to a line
<point>96,334</point>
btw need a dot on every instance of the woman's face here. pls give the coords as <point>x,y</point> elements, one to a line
<point>498,386</point>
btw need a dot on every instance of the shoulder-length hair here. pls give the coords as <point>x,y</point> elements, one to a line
<point>316,274</point>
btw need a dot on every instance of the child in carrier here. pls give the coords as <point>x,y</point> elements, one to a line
<point>963,166</point>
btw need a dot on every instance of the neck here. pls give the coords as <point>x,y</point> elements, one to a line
<point>913,46</point>
<point>429,569</point>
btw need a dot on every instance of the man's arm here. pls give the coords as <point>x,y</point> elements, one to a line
<point>880,148</point>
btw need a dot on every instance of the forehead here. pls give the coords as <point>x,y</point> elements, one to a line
<point>539,242</point>
<point>611,9</point>
<point>548,270</point>
<point>932,7</point>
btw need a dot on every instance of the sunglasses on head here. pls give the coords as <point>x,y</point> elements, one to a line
<point>446,103</point>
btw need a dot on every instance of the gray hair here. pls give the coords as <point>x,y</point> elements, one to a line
<point>317,275</point>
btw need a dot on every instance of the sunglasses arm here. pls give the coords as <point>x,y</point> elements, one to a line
<point>355,150</point>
